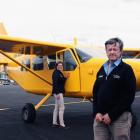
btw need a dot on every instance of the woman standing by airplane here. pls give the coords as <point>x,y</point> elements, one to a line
<point>58,80</point>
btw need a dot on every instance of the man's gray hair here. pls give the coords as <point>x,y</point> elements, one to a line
<point>115,41</point>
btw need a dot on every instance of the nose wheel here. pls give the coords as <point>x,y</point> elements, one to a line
<point>28,113</point>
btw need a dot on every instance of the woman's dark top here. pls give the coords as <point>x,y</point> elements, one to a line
<point>58,80</point>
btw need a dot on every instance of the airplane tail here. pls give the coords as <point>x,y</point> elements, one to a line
<point>2,30</point>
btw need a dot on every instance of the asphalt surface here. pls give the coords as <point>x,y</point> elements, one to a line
<point>77,116</point>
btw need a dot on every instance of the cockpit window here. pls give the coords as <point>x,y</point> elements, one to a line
<point>27,50</point>
<point>86,53</point>
<point>83,56</point>
<point>69,62</point>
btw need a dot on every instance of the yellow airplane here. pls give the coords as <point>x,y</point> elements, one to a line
<point>34,63</point>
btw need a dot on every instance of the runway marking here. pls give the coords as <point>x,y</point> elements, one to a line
<point>77,102</point>
<point>137,96</point>
<point>68,103</point>
<point>2,109</point>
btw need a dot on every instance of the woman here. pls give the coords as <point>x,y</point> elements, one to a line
<point>58,80</point>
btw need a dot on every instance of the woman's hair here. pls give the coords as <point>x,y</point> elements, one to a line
<point>57,63</point>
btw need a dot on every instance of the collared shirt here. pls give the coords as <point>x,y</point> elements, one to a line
<point>108,69</point>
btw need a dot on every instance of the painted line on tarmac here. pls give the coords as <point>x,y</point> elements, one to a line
<point>137,96</point>
<point>77,102</point>
<point>2,109</point>
<point>68,103</point>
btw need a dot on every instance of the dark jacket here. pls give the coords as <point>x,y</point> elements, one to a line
<point>58,80</point>
<point>114,94</point>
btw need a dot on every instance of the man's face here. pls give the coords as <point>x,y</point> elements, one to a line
<point>113,52</point>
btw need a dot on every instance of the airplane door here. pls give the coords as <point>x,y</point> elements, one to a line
<point>71,66</point>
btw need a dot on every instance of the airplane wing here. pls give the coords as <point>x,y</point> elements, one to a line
<point>16,45</point>
<point>10,45</point>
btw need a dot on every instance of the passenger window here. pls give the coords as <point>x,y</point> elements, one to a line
<point>38,50</point>
<point>27,50</point>
<point>69,62</point>
<point>51,60</point>
<point>21,50</point>
<point>37,61</point>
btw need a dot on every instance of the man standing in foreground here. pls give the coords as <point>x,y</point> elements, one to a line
<point>113,93</point>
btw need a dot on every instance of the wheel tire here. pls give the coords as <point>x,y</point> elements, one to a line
<point>28,113</point>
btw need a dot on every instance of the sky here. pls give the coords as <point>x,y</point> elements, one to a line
<point>90,21</point>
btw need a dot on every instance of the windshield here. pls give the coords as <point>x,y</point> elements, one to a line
<point>86,53</point>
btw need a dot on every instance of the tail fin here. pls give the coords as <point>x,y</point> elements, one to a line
<point>2,29</point>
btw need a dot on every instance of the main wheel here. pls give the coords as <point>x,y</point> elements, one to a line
<point>28,113</point>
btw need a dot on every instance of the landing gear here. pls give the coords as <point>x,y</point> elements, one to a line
<point>28,113</point>
<point>29,110</point>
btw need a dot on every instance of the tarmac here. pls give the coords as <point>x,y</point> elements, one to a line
<point>78,116</point>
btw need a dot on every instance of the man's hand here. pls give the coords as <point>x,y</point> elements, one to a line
<point>106,119</point>
<point>99,117</point>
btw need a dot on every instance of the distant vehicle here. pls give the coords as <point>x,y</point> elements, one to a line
<point>4,79</point>
<point>12,82</point>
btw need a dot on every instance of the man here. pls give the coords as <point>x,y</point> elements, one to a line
<point>113,93</point>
